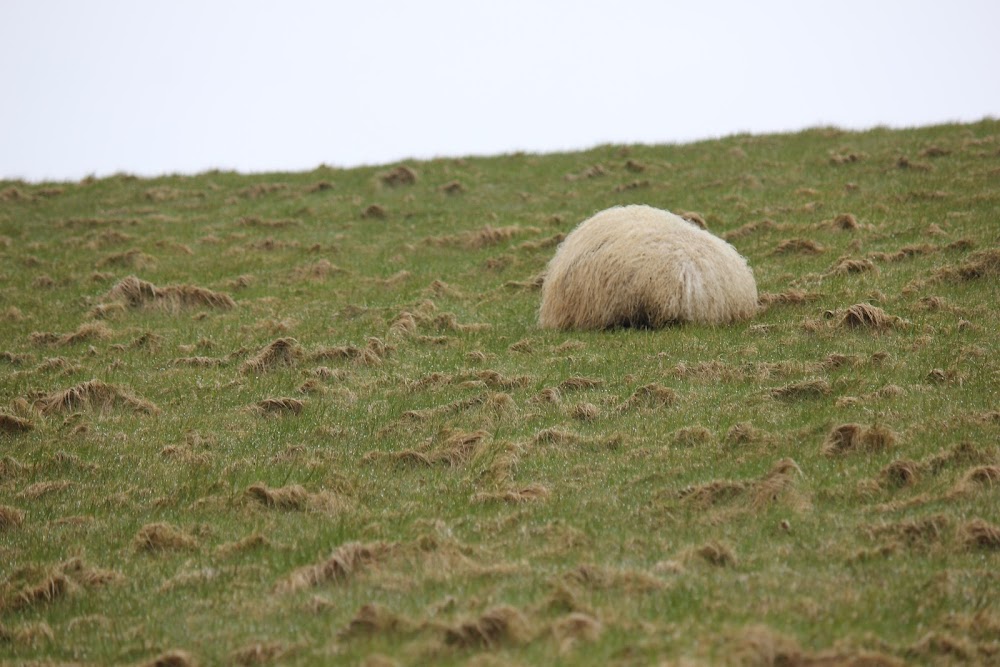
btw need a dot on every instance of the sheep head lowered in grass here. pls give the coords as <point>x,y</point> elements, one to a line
<point>645,267</point>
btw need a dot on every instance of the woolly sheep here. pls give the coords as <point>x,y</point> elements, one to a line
<point>642,266</point>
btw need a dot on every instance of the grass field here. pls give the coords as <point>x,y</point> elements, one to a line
<point>310,418</point>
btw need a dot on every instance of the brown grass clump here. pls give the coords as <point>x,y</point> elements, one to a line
<point>525,494</point>
<point>867,316</point>
<point>547,395</point>
<point>980,534</point>
<point>790,297</point>
<point>695,219</point>
<point>172,658</point>
<point>278,406</point>
<point>743,433</point>
<point>814,388</point>
<point>769,488</point>
<point>258,653</point>
<point>374,212</point>
<point>404,324</point>
<point>453,451</point>
<point>649,396</point>
<point>847,265</point>
<point>691,436</point>
<point>845,221</point>
<point>137,293</point>
<point>10,517</point>
<point>452,188</point>
<point>345,561</point>
<point>585,411</point>
<point>374,619</point>
<point>10,424</point>
<point>575,627</point>
<point>401,175</point>
<point>717,553</point>
<point>975,478</point>
<point>749,228</point>
<point>53,587</point>
<point>87,332</point>
<point>372,354</point>
<point>578,382</point>
<point>93,394</point>
<point>797,245</point>
<point>291,497</point>
<point>490,236</point>
<point>277,353</point>
<point>901,472</point>
<point>914,533</point>
<point>499,625</point>
<point>155,537</point>
<point>852,437</point>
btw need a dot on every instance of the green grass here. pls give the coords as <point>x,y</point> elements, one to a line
<point>644,534</point>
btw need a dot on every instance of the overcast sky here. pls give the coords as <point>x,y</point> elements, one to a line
<point>183,86</point>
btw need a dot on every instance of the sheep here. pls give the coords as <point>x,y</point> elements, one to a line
<point>638,266</point>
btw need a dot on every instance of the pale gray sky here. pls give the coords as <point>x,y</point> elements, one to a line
<point>183,86</point>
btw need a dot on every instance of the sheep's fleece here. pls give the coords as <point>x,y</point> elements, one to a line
<point>642,266</point>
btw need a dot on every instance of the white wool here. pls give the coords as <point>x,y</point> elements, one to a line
<point>642,266</point>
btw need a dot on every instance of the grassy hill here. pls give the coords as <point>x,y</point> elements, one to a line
<point>310,418</point>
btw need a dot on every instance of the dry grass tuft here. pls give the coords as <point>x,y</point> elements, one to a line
<point>650,396</point>
<point>346,561</point>
<point>791,297</point>
<point>575,627</point>
<point>374,619</point>
<point>845,221</point>
<point>853,437</point>
<point>372,354</point>
<point>743,433</point>
<point>750,228</point>
<point>93,394</point>
<point>585,411</point>
<point>847,265</point>
<point>867,316</point>
<point>258,653</point>
<point>452,188</point>
<point>156,537</point>
<point>900,473</point>
<point>695,219</point>
<point>529,493</point>
<point>10,424</point>
<point>759,645</point>
<point>798,245</point>
<point>87,332</point>
<point>555,436</point>
<point>547,395</point>
<point>137,293</point>
<point>292,497</point>
<point>53,587</point>
<point>10,517</point>
<point>499,625</point>
<point>577,382</point>
<point>691,436</point>
<point>813,388</point>
<point>401,175</point>
<point>277,353</point>
<point>716,553</point>
<point>914,533</point>
<point>278,406</point>
<point>251,542</point>
<point>172,658</point>
<point>775,484</point>
<point>491,236</point>
<point>980,534</point>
